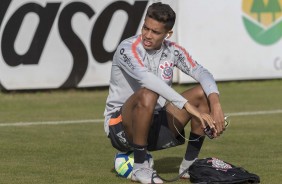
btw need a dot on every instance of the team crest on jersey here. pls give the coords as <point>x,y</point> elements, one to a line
<point>167,70</point>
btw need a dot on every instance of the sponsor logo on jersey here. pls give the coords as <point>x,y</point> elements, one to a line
<point>164,56</point>
<point>167,70</point>
<point>181,59</point>
<point>126,59</point>
<point>263,20</point>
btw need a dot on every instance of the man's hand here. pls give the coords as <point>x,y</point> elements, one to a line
<point>203,118</point>
<point>217,113</point>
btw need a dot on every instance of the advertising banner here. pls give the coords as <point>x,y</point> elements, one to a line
<point>50,44</point>
<point>235,40</point>
<point>63,44</point>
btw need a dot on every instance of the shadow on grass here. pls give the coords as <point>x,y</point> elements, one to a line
<point>167,165</point>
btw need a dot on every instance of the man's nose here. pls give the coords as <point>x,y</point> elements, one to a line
<point>148,34</point>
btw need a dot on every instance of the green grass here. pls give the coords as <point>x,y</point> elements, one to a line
<point>81,153</point>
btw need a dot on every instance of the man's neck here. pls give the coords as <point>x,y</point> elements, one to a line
<point>153,52</point>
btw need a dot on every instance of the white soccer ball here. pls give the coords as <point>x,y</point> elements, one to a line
<point>123,163</point>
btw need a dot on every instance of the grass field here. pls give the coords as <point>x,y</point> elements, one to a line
<point>66,143</point>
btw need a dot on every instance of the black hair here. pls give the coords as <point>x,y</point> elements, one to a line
<point>162,13</point>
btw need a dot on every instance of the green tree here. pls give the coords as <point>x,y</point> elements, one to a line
<point>273,6</point>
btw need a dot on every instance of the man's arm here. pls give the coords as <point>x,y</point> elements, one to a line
<point>131,63</point>
<point>205,78</point>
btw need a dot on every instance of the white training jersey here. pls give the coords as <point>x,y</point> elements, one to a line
<point>133,67</point>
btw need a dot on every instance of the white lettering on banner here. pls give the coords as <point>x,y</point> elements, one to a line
<point>83,50</point>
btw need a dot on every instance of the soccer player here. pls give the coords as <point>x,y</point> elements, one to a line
<point>143,112</point>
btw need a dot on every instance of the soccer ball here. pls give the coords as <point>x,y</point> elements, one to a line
<point>123,163</point>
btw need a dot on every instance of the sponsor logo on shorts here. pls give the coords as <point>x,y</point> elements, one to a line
<point>263,20</point>
<point>168,145</point>
<point>121,137</point>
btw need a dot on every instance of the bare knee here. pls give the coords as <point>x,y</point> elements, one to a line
<point>201,95</point>
<point>195,95</point>
<point>137,112</point>
<point>141,102</point>
<point>147,99</point>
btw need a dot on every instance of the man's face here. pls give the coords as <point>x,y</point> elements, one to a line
<point>153,34</point>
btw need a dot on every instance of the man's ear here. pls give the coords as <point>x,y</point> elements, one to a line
<point>169,34</point>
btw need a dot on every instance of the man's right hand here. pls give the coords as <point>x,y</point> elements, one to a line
<point>203,118</point>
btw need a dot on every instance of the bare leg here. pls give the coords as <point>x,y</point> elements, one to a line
<point>180,118</point>
<point>137,113</point>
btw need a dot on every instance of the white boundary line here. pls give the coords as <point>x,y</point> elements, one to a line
<point>52,122</point>
<point>278,111</point>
